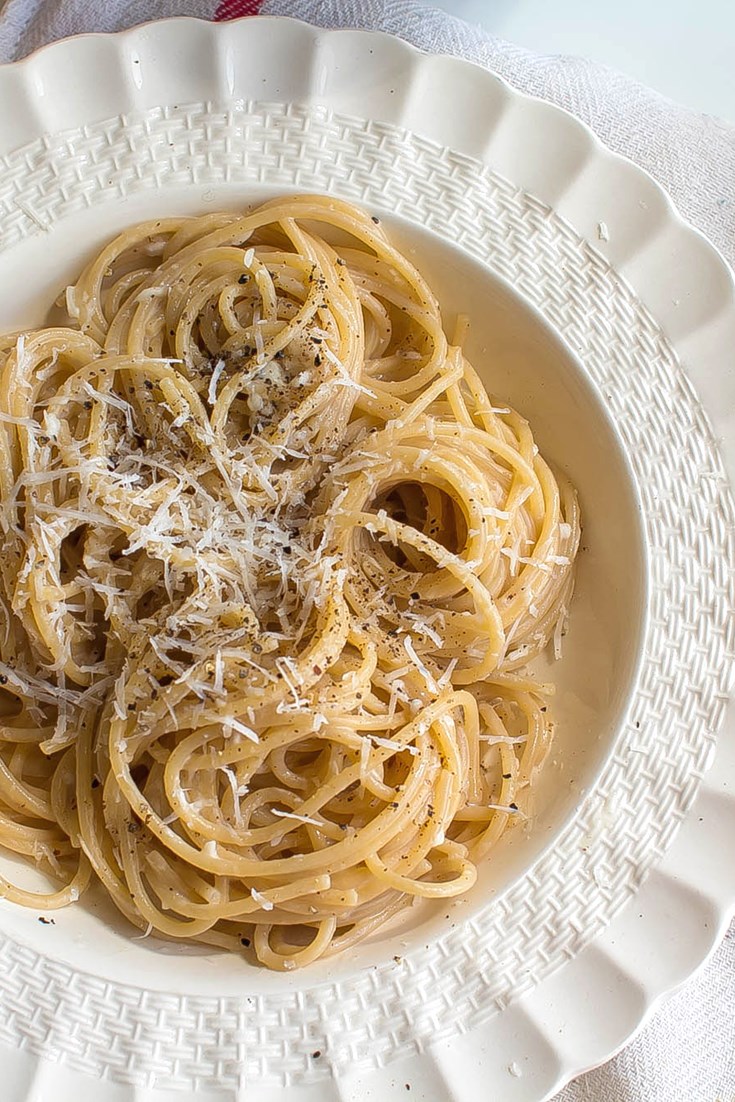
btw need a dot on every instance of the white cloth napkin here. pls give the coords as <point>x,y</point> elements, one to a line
<point>687,1052</point>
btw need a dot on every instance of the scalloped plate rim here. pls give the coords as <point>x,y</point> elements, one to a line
<point>704,247</point>
<point>198,23</point>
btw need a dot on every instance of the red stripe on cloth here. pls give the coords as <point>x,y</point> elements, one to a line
<point>233,9</point>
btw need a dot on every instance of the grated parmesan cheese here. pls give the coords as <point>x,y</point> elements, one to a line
<point>431,684</point>
<point>261,900</point>
<point>389,744</point>
<point>230,724</point>
<point>297,817</point>
<point>217,372</point>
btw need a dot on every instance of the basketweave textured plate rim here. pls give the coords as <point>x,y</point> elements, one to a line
<point>434,1062</point>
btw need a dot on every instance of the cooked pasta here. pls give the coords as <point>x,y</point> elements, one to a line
<point>274,567</point>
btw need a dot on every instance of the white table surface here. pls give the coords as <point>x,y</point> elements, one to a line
<point>685,49</point>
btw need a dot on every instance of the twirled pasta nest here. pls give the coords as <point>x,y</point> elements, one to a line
<point>273,570</point>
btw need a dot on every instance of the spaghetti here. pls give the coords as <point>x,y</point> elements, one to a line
<point>273,570</point>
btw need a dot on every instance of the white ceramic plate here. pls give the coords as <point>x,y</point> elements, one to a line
<point>611,324</point>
